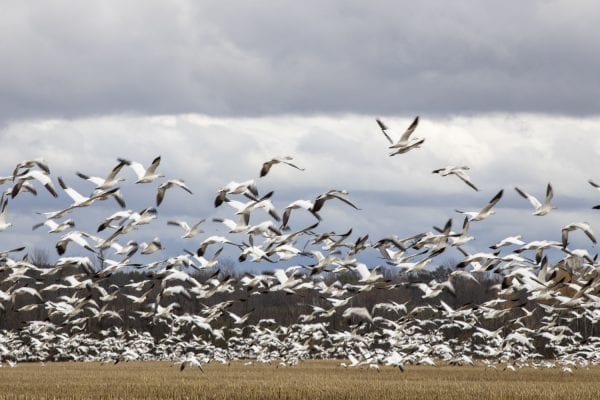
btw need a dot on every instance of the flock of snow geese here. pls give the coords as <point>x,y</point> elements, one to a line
<point>561,296</point>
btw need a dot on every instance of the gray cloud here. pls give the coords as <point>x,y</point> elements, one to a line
<point>67,59</point>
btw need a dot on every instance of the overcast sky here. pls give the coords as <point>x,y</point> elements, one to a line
<point>509,89</point>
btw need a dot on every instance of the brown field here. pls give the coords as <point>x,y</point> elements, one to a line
<point>309,380</point>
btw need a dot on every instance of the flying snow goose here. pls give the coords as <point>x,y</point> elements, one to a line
<point>329,195</point>
<point>539,208</point>
<point>404,143</point>
<point>39,176</point>
<point>456,171</point>
<point>105,183</point>
<point>167,185</point>
<point>485,211</point>
<point>247,188</point>
<point>266,167</point>
<point>144,175</point>
<point>584,226</point>
<point>190,231</point>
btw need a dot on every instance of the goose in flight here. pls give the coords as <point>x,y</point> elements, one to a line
<point>539,208</point>
<point>511,240</point>
<point>583,226</point>
<point>266,167</point>
<point>485,211</point>
<point>329,195</point>
<point>246,208</point>
<point>152,247</point>
<point>404,143</point>
<point>248,188</point>
<point>160,195</point>
<point>144,175</point>
<point>306,204</point>
<point>39,176</point>
<point>457,171</point>
<point>190,232</point>
<point>105,183</point>
<point>55,227</point>
<point>38,162</point>
<point>235,227</point>
<point>82,201</point>
<point>76,237</point>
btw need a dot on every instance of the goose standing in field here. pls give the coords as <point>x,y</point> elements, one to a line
<point>167,185</point>
<point>266,167</point>
<point>144,175</point>
<point>540,209</point>
<point>485,211</point>
<point>456,171</point>
<point>404,143</point>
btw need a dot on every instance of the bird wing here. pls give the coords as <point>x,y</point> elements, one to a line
<point>73,194</point>
<point>111,176</point>
<point>266,167</point>
<point>152,168</point>
<point>410,130</point>
<point>534,202</point>
<point>383,130</point>
<point>465,178</point>
<point>549,194</point>
<point>493,201</point>
<point>292,165</point>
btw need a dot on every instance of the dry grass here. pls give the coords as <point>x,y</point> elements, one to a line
<point>309,380</point>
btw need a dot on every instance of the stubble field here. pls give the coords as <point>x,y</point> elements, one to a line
<point>309,380</point>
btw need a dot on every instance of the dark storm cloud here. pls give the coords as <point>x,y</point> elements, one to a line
<point>93,58</point>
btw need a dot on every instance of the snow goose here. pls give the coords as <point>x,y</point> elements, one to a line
<point>540,209</point>
<point>266,167</point>
<point>456,171</point>
<point>144,175</point>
